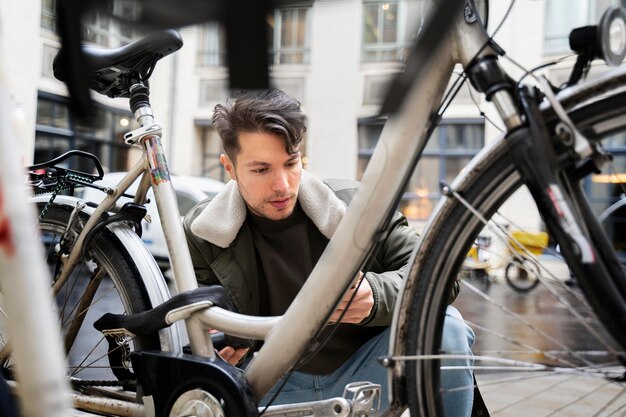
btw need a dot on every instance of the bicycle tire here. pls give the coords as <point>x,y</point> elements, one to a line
<point>121,289</point>
<point>490,180</point>
<point>521,277</point>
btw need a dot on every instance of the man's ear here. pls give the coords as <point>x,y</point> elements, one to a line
<point>228,166</point>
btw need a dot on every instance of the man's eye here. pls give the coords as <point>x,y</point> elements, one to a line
<point>259,170</point>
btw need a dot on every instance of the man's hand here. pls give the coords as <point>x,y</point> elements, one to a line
<point>361,306</point>
<point>232,355</point>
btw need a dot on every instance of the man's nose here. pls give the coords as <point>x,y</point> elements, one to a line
<point>281,182</point>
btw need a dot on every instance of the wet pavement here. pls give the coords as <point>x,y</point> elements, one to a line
<point>550,325</point>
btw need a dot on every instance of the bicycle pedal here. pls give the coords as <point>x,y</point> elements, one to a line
<point>364,397</point>
<point>118,334</point>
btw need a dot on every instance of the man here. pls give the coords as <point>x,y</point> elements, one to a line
<point>261,237</point>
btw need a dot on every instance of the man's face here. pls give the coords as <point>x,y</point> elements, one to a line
<point>267,176</point>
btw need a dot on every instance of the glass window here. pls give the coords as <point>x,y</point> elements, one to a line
<point>561,16</point>
<point>212,92</point>
<point>53,114</point>
<point>112,28</point>
<point>98,128</point>
<point>47,59</point>
<point>288,39</point>
<point>464,137</point>
<point>289,36</point>
<point>48,147</point>
<point>451,146</point>
<point>57,132</point>
<point>211,150</point>
<point>383,36</point>
<point>211,45</point>
<point>607,193</point>
<point>606,188</point>
<point>49,20</point>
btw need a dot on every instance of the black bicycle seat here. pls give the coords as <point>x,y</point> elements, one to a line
<point>112,71</point>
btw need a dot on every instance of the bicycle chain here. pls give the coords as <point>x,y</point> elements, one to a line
<point>102,383</point>
<point>61,186</point>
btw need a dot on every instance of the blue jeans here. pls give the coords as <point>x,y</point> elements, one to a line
<point>363,366</point>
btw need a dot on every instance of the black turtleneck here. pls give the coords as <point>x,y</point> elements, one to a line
<point>287,251</point>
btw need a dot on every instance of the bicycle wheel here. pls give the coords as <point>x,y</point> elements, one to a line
<point>522,275</point>
<point>106,280</point>
<point>538,353</point>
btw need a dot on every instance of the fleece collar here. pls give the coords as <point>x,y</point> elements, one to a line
<point>220,221</point>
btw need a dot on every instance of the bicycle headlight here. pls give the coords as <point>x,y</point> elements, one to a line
<point>607,40</point>
<point>612,35</point>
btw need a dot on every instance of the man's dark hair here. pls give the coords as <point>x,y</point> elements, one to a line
<point>270,111</point>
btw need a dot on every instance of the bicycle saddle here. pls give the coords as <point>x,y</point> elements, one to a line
<point>112,71</point>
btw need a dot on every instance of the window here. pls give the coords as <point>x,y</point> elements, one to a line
<point>561,16</point>
<point>212,92</point>
<point>49,20</point>
<point>288,38</point>
<point>604,189</point>
<point>384,31</point>
<point>57,132</point>
<point>608,188</point>
<point>211,45</point>
<point>452,145</point>
<point>109,29</point>
<point>289,41</point>
<point>211,150</point>
<point>49,52</point>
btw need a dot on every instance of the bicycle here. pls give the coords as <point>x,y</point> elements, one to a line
<point>515,258</point>
<point>535,121</point>
<point>24,293</point>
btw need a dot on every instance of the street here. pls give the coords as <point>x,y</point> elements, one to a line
<point>542,327</point>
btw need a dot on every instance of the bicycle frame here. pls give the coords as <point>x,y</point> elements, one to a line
<point>402,142</point>
<point>397,151</point>
<point>24,280</point>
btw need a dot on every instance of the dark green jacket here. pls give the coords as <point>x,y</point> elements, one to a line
<point>223,253</point>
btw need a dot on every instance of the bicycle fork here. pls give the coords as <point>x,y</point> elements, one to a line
<point>567,215</point>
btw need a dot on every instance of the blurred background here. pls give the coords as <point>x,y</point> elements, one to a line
<point>335,56</point>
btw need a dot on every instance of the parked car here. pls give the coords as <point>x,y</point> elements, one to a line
<point>190,190</point>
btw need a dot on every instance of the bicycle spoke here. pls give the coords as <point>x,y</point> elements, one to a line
<point>521,319</point>
<point>579,399</point>
<point>555,355</point>
<point>83,306</point>
<point>80,367</point>
<point>69,291</point>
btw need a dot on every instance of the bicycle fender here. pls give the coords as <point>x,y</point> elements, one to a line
<point>156,286</point>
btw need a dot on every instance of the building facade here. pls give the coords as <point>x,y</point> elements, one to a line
<point>335,56</point>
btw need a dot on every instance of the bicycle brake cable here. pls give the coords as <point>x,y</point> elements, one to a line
<point>319,342</point>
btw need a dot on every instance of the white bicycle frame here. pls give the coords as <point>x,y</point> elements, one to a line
<point>25,287</point>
